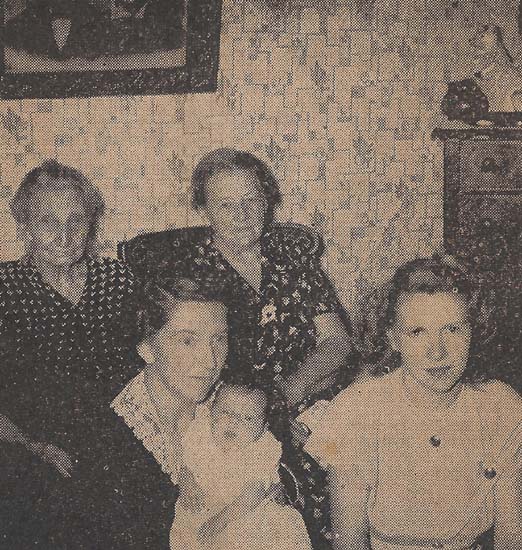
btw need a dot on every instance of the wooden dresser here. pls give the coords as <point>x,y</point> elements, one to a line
<point>483,224</point>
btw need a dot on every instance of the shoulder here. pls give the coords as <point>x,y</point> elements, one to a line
<point>148,245</point>
<point>367,396</point>
<point>500,398</point>
<point>10,269</point>
<point>296,240</point>
<point>115,275</point>
<point>13,274</point>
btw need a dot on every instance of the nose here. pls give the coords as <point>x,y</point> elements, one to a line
<point>242,212</point>
<point>61,236</point>
<point>209,364</point>
<point>437,348</point>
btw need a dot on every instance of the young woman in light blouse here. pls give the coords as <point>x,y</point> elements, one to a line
<point>428,455</point>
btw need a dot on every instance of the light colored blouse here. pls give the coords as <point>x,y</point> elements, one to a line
<point>430,474</point>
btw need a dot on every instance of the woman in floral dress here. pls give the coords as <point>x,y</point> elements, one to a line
<point>285,322</point>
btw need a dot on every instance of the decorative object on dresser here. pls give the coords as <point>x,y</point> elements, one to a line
<point>496,85</point>
<point>483,224</point>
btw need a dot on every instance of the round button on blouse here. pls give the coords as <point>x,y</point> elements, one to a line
<point>490,473</point>
<point>435,441</point>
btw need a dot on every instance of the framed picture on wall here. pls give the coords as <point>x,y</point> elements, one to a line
<point>79,48</point>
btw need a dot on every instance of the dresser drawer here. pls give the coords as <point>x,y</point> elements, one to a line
<point>491,167</point>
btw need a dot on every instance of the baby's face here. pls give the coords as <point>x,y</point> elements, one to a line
<point>238,417</point>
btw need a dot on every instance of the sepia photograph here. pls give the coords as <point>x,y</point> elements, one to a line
<point>261,275</point>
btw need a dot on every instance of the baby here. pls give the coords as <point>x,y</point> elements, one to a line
<point>229,474</point>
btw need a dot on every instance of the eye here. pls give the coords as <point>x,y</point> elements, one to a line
<point>46,220</point>
<point>187,340</point>
<point>416,331</point>
<point>453,329</point>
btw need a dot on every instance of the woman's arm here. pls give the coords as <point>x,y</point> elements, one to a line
<point>11,433</point>
<point>329,355</point>
<point>244,504</point>
<point>348,501</point>
<point>508,509</point>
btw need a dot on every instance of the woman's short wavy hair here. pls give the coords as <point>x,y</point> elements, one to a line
<point>158,297</point>
<point>45,177</point>
<point>429,276</point>
<point>228,159</point>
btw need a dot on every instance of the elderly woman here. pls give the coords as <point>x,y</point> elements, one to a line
<point>64,347</point>
<point>430,454</point>
<point>284,317</point>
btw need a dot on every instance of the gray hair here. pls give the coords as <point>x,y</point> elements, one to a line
<point>93,201</point>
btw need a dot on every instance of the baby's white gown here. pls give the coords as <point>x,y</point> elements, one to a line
<point>222,477</point>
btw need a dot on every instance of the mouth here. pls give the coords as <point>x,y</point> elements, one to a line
<point>439,372</point>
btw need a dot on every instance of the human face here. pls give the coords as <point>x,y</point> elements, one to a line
<point>238,417</point>
<point>235,208</point>
<point>432,333</point>
<point>58,227</point>
<point>189,351</point>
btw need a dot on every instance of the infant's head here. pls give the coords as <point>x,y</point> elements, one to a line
<point>238,415</point>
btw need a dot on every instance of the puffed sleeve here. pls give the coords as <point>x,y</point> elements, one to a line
<point>507,433</point>
<point>347,435</point>
<point>263,460</point>
<point>301,248</point>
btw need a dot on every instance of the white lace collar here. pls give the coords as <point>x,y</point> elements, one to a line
<point>135,407</point>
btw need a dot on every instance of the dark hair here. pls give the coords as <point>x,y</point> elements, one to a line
<point>157,297</point>
<point>32,182</point>
<point>228,159</point>
<point>430,276</point>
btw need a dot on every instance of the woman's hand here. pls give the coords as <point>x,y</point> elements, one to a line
<point>52,455</point>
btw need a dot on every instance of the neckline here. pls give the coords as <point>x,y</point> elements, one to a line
<point>56,294</point>
<point>224,260</point>
<point>437,410</point>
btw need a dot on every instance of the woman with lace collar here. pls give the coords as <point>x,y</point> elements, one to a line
<point>183,334</point>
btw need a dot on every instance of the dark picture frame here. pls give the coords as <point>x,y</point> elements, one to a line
<point>197,74</point>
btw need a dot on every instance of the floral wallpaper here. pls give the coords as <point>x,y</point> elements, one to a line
<point>339,97</point>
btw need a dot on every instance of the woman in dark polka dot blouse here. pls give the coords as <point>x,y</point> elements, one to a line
<point>65,347</point>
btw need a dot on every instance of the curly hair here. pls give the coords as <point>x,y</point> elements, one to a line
<point>228,159</point>
<point>159,296</point>
<point>430,276</point>
<point>46,177</point>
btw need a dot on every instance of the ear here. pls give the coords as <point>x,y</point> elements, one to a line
<point>145,352</point>
<point>393,339</point>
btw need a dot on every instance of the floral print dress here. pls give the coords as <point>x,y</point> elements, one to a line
<point>271,332</point>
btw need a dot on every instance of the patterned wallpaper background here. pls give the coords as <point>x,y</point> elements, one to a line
<point>340,97</point>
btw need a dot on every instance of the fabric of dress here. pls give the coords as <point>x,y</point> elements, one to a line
<point>61,365</point>
<point>270,333</point>
<point>222,477</point>
<point>137,412</point>
<point>423,495</point>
